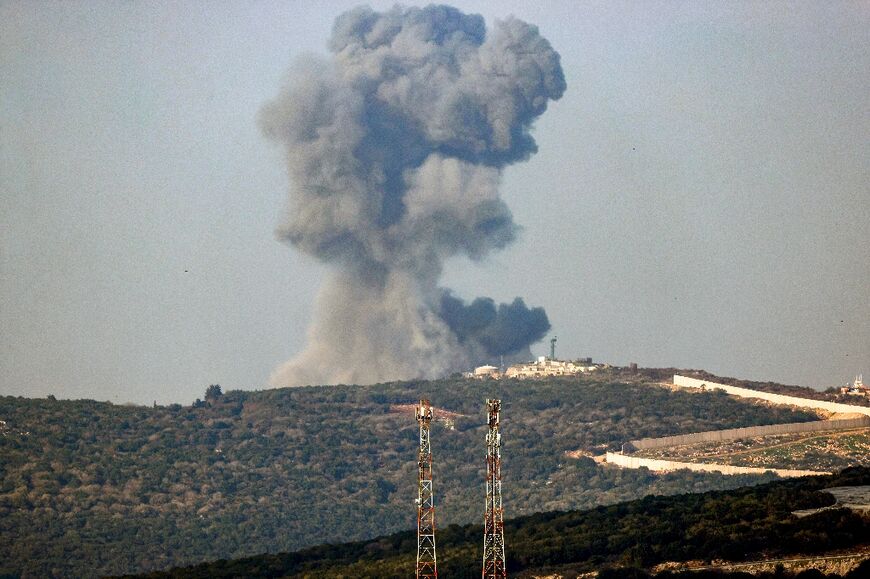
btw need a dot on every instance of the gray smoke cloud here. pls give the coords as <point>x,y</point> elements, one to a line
<point>395,147</point>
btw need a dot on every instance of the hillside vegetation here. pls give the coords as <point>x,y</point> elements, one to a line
<point>89,488</point>
<point>735,525</point>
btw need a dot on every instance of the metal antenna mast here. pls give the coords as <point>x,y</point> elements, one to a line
<point>493,525</point>
<point>426,568</point>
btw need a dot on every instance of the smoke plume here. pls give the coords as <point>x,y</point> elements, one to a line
<point>395,147</point>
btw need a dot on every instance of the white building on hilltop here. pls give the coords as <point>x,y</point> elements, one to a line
<point>547,367</point>
<point>486,372</point>
<point>856,388</point>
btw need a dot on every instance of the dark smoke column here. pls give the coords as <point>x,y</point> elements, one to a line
<point>395,148</point>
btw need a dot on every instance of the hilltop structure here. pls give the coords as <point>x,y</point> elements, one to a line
<point>548,367</point>
<point>486,372</point>
<point>856,388</point>
<point>540,368</point>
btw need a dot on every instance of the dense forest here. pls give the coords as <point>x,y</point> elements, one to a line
<point>89,488</point>
<point>737,525</point>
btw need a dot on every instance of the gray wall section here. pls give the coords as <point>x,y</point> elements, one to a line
<point>749,432</point>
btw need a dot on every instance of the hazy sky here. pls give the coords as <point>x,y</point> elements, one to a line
<point>701,196</point>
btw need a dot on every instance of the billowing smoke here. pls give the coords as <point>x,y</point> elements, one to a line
<point>492,332</point>
<point>395,147</point>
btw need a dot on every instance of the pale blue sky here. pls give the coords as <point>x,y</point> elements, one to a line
<point>700,197</point>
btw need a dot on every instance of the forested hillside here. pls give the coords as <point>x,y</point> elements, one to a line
<point>89,488</point>
<point>735,525</point>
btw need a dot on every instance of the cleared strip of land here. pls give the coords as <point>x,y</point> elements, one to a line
<point>686,382</point>
<point>859,418</point>
<point>840,564</point>
<point>658,465</point>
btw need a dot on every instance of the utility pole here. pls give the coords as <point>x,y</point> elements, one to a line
<point>426,567</point>
<point>493,525</point>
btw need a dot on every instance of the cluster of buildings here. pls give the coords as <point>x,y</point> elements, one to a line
<point>540,368</point>
<point>856,388</point>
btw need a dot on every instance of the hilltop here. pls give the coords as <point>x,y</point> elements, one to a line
<point>89,488</point>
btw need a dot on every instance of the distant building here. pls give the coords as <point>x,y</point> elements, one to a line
<point>547,367</point>
<point>486,372</point>
<point>856,388</point>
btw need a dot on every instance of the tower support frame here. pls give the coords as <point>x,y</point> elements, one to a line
<point>426,560</point>
<point>493,525</point>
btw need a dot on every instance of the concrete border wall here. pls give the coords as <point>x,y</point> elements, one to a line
<point>687,382</point>
<point>657,465</point>
<point>750,432</point>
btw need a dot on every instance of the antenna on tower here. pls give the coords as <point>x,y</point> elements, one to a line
<point>553,347</point>
<point>493,525</point>
<point>426,567</point>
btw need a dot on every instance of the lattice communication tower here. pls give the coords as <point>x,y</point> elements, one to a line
<point>493,524</point>
<point>426,564</point>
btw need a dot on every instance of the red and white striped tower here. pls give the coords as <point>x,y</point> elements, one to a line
<point>426,567</point>
<point>493,523</point>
